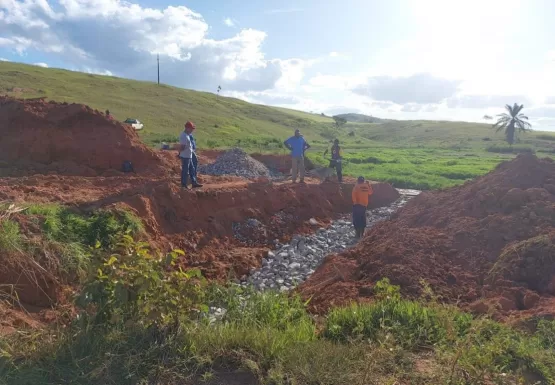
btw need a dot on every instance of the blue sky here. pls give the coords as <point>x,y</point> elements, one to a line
<point>405,59</point>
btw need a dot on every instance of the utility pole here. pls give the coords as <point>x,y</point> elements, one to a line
<point>158,59</point>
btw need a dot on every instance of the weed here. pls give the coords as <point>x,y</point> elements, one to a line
<point>546,333</point>
<point>411,324</point>
<point>546,137</point>
<point>10,237</point>
<point>510,149</point>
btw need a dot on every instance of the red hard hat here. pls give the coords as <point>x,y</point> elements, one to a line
<point>190,125</point>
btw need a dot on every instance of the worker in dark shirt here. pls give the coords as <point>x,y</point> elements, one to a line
<point>336,159</point>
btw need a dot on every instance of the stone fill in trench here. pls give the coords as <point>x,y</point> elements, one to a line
<point>289,265</point>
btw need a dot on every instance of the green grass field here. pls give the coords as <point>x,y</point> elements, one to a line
<point>417,154</point>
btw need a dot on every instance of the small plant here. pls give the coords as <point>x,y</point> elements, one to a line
<point>10,238</point>
<point>384,290</point>
<point>410,324</point>
<point>546,333</point>
<point>135,285</point>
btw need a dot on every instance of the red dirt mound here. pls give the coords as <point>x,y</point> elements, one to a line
<point>70,139</point>
<point>280,163</point>
<point>452,239</point>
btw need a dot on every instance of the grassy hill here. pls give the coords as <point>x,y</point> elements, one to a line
<point>360,118</point>
<point>419,154</point>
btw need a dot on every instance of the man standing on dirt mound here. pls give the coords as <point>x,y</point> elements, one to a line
<point>336,159</point>
<point>361,194</point>
<point>186,154</point>
<point>194,160</point>
<point>297,145</point>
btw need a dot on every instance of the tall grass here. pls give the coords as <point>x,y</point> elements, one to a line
<point>10,236</point>
<point>384,342</point>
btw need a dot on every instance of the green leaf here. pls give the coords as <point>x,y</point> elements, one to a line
<point>121,293</point>
<point>169,260</point>
<point>111,261</point>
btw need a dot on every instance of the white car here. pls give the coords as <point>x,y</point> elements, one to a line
<point>137,125</point>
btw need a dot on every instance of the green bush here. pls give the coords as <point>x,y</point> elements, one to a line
<point>411,324</point>
<point>493,349</point>
<point>546,137</point>
<point>10,237</point>
<point>546,333</point>
<point>262,309</point>
<point>133,285</point>
<point>510,149</point>
<point>64,225</point>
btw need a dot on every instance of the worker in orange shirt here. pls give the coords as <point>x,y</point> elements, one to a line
<point>361,194</point>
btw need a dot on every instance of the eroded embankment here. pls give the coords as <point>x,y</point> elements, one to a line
<point>487,244</point>
<point>203,222</point>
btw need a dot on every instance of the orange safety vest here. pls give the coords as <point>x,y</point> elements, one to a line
<point>361,193</point>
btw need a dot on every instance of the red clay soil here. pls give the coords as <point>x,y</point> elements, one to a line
<point>453,239</point>
<point>280,163</point>
<point>69,139</point>
<point>81,151</point>
<point>199,222</point>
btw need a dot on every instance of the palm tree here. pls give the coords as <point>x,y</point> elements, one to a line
<point>512,121</point>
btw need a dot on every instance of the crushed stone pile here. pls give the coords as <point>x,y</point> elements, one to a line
<point>70,139</point>
<point>236,162</point>
<point>487,245</point>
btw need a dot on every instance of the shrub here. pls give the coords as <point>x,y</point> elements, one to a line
<point>546,137</point>
<point>62,224</point>
<point>262,309</point>
<point>412,325</point>
<point>509,149</point>
<point>546,333</point>
<point>10,237</point>
<point>132,285</point>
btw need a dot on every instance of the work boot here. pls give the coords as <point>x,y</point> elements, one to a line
<point>197,185</point>
<point>184,188</point>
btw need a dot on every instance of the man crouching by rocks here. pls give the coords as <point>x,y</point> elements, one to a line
<point>361,194</point>
<point>186,153</point>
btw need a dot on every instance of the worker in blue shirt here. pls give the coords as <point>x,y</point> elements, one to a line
<point>297,145</point>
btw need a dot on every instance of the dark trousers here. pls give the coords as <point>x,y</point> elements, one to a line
<point>193,168</point>
<point>359,219</point>
<point>185,168</point>
<point>338,169</point>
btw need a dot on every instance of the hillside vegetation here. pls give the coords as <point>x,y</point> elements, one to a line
<point>417,154</point>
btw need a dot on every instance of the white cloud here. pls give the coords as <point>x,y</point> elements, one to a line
<point>43,65</point>
<point>2,59</point>
<point>94,71</point>
<point>485,101</point>
<point>229,22</point>
<point>419,88</point>
<point>113,36</point>
<point>292,71</point>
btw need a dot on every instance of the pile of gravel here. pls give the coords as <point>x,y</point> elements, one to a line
<point>236,162</point>
<point>250,231</point>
